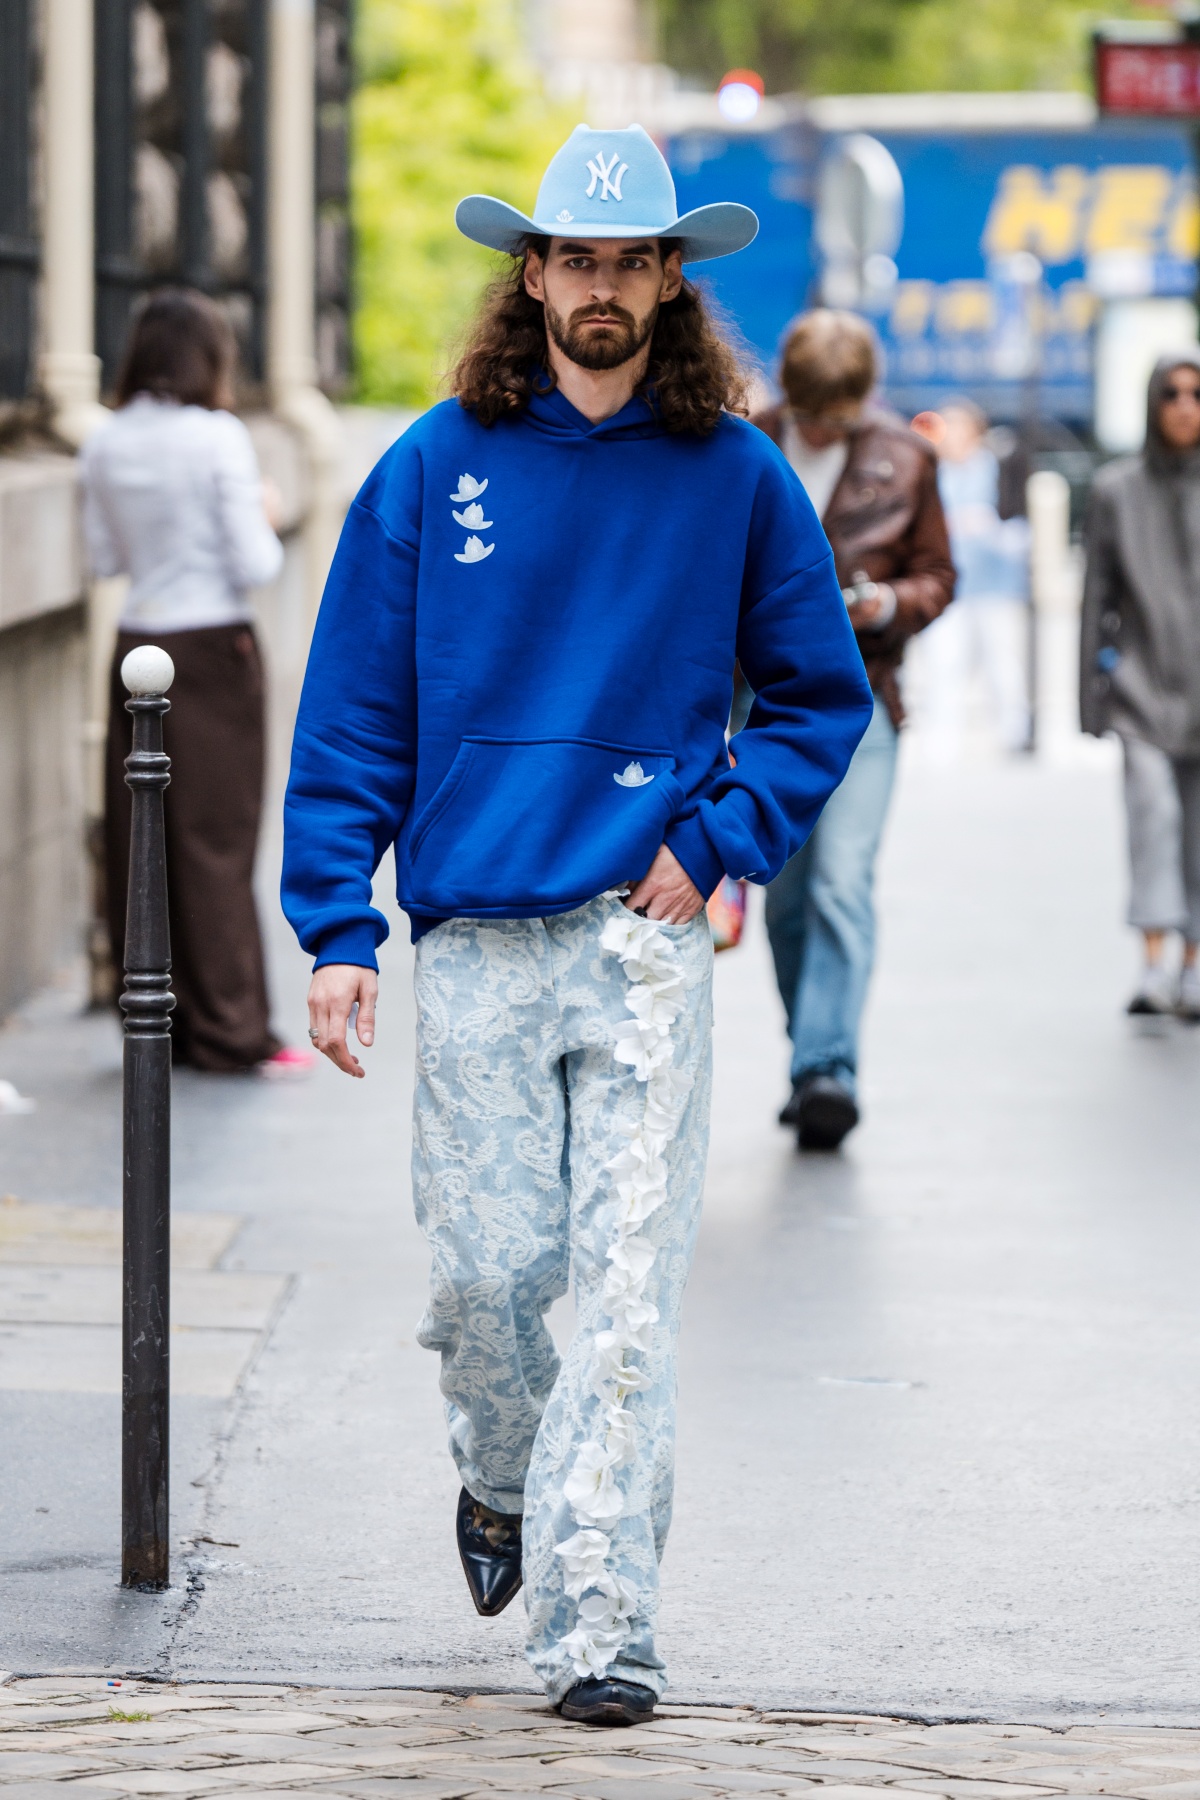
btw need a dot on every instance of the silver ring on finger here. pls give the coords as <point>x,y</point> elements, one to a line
<point>313,1033</point>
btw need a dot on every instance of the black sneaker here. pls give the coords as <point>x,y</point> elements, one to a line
<point>608,1702</point>
<point>827,1112</point>
<point>489,1544</point>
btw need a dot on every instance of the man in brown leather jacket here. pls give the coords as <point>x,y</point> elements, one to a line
<point>873,483</point>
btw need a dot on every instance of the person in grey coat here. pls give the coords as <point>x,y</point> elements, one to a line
<point>1140,670</point>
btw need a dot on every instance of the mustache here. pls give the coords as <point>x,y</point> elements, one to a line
<point>597,311</point>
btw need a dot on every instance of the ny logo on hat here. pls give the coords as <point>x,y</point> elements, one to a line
<point>602,172</point>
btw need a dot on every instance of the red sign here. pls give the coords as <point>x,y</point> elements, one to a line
<point>1159,81</point>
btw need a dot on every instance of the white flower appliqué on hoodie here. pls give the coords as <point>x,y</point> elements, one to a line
<point>473,551</point>
<point>633,775</point>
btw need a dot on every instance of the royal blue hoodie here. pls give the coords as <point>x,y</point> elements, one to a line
<point>522,668</point>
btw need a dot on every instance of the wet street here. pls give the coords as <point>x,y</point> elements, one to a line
<point>939,1451</point>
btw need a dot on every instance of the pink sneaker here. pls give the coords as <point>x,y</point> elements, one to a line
<point>288,1064</point>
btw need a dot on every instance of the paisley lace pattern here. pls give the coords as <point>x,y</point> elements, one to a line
<point>561,1120</point>
<point>655,999</point>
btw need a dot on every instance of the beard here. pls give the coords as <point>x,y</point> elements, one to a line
<point>604,348</point>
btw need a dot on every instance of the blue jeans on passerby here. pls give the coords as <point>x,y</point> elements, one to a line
<point>821,913</point>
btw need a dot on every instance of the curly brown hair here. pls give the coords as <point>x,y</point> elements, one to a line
<point>695,372</point>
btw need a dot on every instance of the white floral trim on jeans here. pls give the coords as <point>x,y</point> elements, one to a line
<point>607,1601</point>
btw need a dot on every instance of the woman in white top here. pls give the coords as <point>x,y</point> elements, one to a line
<point>173,499</point>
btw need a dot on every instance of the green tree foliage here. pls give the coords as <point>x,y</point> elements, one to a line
<point>445,107</point>
<point>877,46</point>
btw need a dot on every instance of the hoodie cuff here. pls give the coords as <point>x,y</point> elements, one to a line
<point>688,841</point>
<point>349,944</point>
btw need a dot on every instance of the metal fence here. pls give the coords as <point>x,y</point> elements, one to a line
<point>19,250</point>
<point>180,161</point>
<point>334,234</point>
<point>181,193</point>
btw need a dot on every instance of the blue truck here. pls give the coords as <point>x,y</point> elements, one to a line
<point>994,186</point>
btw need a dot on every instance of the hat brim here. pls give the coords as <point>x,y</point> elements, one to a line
<point>707,231</point>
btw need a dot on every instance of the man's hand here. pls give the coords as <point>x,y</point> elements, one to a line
<point>871,605</point>
<point>666,892</point>
<point>863,614</point>
<point>331,999</point>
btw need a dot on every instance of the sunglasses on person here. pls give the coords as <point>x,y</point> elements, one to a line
<point>1171,392</point>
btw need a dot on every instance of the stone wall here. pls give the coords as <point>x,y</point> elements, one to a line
<point>42,706</point>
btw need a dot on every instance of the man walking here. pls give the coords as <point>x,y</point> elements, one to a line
<point>520,678</point>
<point>874,483</point>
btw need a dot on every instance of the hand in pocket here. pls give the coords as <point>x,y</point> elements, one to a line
<point>666,892</point>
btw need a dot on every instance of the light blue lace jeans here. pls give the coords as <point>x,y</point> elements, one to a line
<point>561,1120</point>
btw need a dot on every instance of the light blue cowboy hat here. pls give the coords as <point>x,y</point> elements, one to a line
<point>609,184</point>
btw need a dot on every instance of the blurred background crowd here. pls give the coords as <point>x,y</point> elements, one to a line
<point>1020,256</point>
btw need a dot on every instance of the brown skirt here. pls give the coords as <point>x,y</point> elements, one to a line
<point>214,737</point>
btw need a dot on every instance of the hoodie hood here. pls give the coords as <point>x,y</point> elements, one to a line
<point>552,414</point>
<point>1160,459</point>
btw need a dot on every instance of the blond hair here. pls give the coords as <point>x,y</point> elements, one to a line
<point>829,360</point>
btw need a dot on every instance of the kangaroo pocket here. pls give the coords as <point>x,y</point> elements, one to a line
<point>538,822</point>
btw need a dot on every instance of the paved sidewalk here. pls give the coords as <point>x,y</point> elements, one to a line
<point>235,1741</point>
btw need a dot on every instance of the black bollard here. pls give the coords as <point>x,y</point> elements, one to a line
<point>147,1001</point>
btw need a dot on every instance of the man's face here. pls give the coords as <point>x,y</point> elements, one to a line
<point>602,296</point>
<point>1179,415</point>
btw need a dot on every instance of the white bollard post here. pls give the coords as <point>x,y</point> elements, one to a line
<point>1055,585</point>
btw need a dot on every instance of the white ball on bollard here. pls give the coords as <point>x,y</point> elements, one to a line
<point>147,670</point>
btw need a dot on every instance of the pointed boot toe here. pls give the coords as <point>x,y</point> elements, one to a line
<point>489,1544</point>
<point>605,1701</point>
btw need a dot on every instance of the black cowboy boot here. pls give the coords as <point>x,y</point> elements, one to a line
<point>490,1546</point>
<point>608,1701</point>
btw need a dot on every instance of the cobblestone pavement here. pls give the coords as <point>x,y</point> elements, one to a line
<point>238,1741</point>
